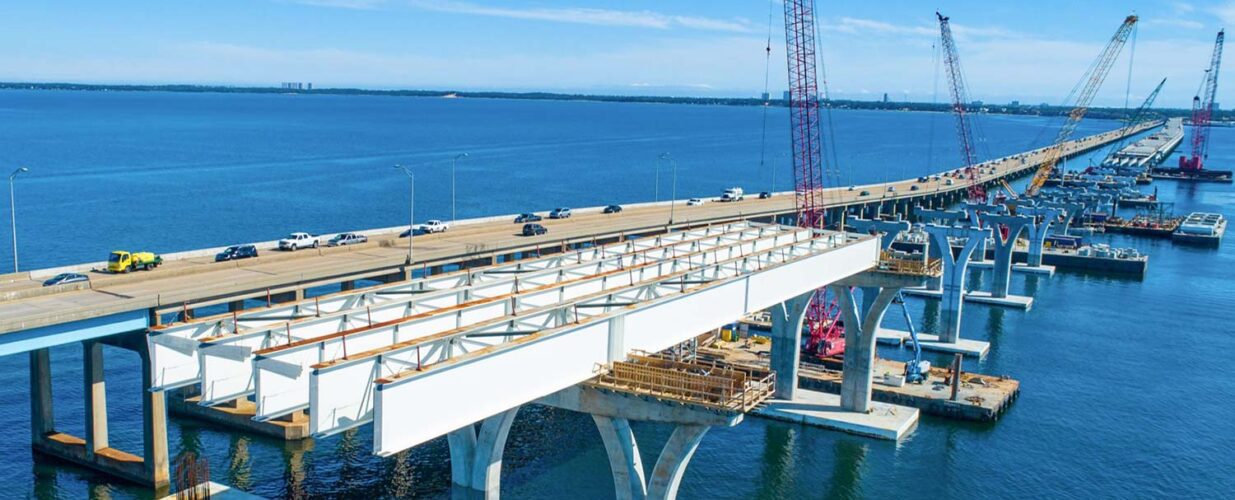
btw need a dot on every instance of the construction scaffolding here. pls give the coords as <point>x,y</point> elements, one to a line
<point>893,262</point>
<point>699,383</point>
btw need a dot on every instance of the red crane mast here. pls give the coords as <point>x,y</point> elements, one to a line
<point>960,97</point>
<point>826,332</point>
<point>1203,110</point>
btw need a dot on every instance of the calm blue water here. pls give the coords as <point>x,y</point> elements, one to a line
<point>1126,391</point>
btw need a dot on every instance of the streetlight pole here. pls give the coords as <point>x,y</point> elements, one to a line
<point>13,213</point>
<point>656,181</point>
<point>411,211</point>
<point>453,163</point>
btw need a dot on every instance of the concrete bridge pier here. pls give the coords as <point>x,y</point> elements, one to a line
<point>151,469</point>
<point>862,330</point>
<point>1002,267</point>
<point>887,230</point>
<point>1070,211</point>
<point>476,455</point>
<point>1038,230</point>
<point>787,320</point>
<point>954,274</point>
<point>945,218</point>
<point>613,411</point>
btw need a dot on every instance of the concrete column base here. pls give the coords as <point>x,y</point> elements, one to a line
<point>476,457</point>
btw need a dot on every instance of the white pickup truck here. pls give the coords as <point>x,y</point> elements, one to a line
<point>433,226</point>
<point>732,194</point>
<point>296,241</point>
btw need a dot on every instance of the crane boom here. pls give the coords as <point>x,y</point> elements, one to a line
<point>1137,117</point>
<point>805,127</point>
<point>960,98</point>
<point>1093,80</point>
<point>1203,110</point>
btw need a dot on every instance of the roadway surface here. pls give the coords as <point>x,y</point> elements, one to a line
<point>27,305</point>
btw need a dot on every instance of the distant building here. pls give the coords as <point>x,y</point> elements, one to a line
<point>296,86</point>
<point>976,104</point>
<point>764,96</point>
<point>1015,104</point>
<point>786,97</point>
<point>885,97</point>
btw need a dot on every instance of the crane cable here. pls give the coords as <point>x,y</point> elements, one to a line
<point>767,72</point>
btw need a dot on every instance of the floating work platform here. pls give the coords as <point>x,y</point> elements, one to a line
<point>1073,260</point>
<point>1141,225</point>
<point>1201,228</point>
<point>822,409</point>
<point>930,342</point>
<point>981,398</point>
<point>978,296</point>
<point>1179,174</point>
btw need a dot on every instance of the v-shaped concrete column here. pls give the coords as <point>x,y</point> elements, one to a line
<point>476,457</point>
<point>787,319</point>
<point>953,280</point>
<point>1003,249</point>
<point>1044,217</point>
<point>862,328</point>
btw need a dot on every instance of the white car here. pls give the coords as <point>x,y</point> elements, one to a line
<point>433,226</point>
<point>347,239</point>
<point>296,241</point>
<point>694,202</point>
<point>891,189</point>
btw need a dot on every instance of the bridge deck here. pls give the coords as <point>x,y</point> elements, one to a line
<point>199,281</point>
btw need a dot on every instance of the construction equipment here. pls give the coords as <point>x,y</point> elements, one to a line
<point>916,369</point>
<point>1202,111</point>
<point>121,261</point>
<point>826,331</point>
<point>960,99</point>
<point>1137,117</point>
<point>1092,81</point>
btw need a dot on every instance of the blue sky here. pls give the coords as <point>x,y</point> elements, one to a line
<point>1030,51</point>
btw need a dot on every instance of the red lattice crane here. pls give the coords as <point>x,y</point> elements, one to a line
<point>1202,111</point>
<point>960,98</point>
<point>826,337</point>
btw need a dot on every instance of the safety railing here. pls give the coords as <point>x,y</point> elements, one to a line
<point>895,263</point>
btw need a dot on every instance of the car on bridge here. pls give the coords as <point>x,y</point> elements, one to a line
<point>560,213</point>
<point>864,193</point>
<point>121,261</point>
<point>613,209</point>
<point>534,230</point>
<point>433,226</point>
<point>298,240</point>
<point>765,195</point>
<point>949,182</point>
<point>694,202</point>
<point>235,252</point>
<point>913,187</point>
<point>527,217</point>
<point>66,278</point>
<point>347,239</point>
<point>891,189</point>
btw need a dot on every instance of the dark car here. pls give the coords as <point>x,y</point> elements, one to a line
<point>913,188</point>
<point>864,193</point>
<point>236,252</point>
<point>66,278</point>
<point>613,209</point>
<point>522,218</point>
<point>534,230</point>
<point>765,195</point>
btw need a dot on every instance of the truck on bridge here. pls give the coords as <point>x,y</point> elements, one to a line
<point>121,261</point>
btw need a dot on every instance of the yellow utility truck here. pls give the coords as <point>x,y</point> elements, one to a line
<point>121,261</point>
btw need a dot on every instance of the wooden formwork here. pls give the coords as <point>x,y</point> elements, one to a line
<point>893,264</point>
<point>701,383</point>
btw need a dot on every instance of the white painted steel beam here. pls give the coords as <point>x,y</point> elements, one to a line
<point>177,363</point>
<point>283,384</point>
<point>436,394</point>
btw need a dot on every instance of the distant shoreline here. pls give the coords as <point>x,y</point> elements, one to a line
<point>1005,109</point>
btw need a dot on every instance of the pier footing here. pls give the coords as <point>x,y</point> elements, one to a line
<point>821,409</point>
<point>930,342</point>
<point>979,297</point>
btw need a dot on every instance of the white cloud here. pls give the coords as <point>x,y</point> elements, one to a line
<point>1176,23</point>
<point>1225,13</point>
